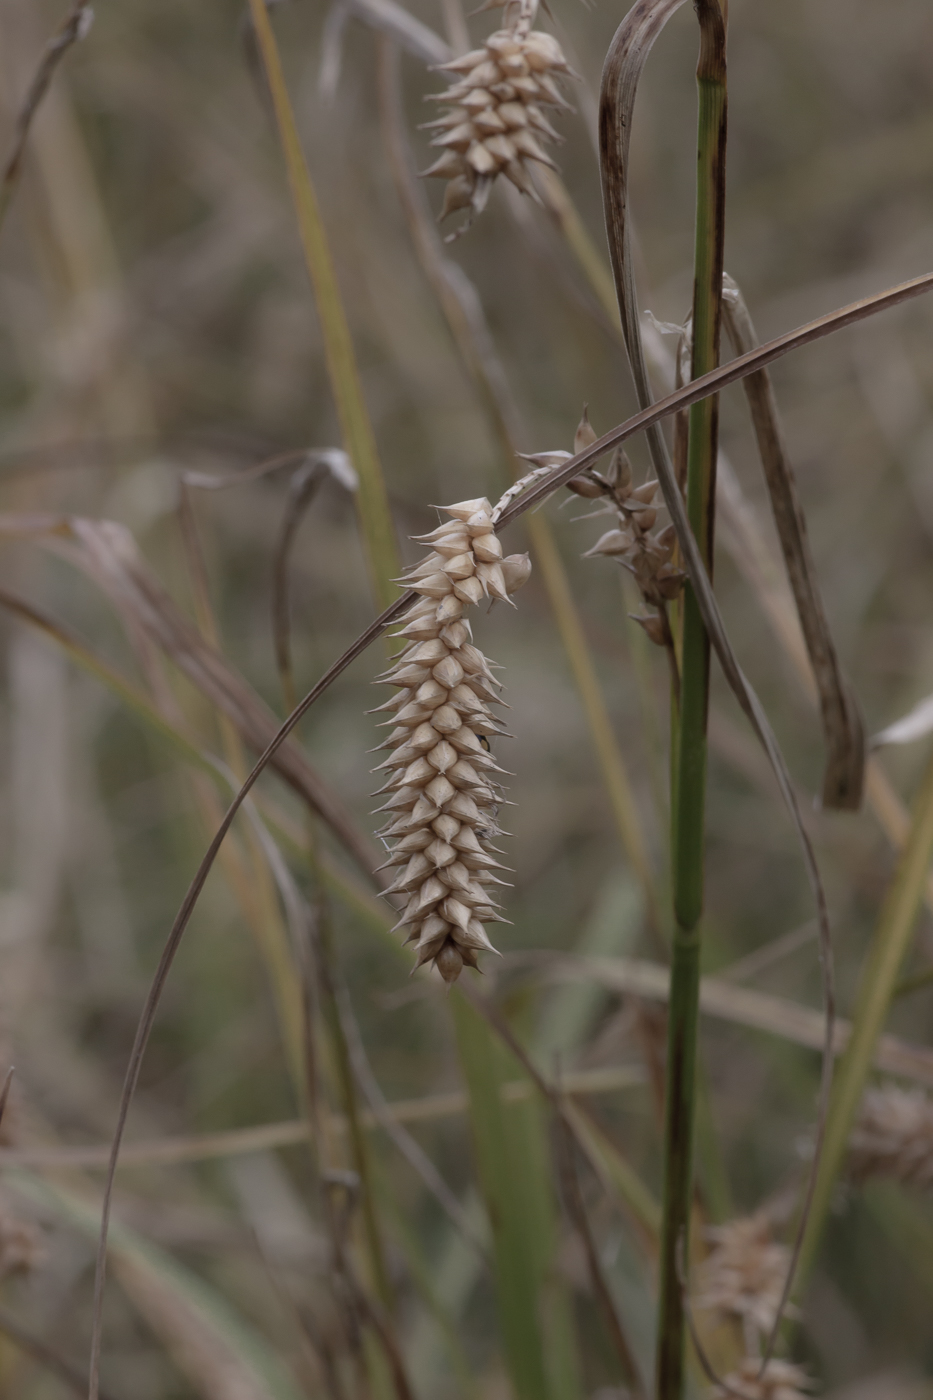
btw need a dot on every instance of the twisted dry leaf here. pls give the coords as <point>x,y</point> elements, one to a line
<point>842,723</point>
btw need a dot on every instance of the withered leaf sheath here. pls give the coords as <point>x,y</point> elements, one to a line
<point>443,796</point>
<point>495,122</point>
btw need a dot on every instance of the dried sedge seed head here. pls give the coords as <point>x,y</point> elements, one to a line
<point>743,1275</point>
<point>648,557</point>
<point>893,1137</point>
<point>443,796</point>
<point>495,121</point>
<point>781,1381</point>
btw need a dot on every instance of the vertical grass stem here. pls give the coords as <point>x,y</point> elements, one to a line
<point>688,766</point>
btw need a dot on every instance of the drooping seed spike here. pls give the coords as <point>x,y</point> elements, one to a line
<point>444,796</point>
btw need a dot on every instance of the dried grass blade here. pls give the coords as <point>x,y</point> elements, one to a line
<point>801,1025</point>
<point>136,700</point>
<point>625,62</point>
<point>201,1147</point>
<point>842,723</point>
<point>214,1346</point>
<point>359,440</point>
<point>386,17</point>
<point>373,912</point>
<point>755,558</point>
<point>381,1112</point>
<point>576,1212</point>
<point>617,1177</point>
<point>108,552</point>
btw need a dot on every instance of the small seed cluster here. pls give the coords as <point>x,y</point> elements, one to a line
<point>781,1380</point>
<point>743,1276</point>
<point>495,120</point>
<point>893,1137</point>
<point>645,551</point>
<point>444,796</point>
<point>647,556</point>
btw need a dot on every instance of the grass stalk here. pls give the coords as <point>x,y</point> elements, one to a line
<point>348,1093</point>
<point>372,501</point>
<point>688,766</point>
<point>877,987</point>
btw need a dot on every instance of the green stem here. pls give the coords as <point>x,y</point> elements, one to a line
<point>688,768</point>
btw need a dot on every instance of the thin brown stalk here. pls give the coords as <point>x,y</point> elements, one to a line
<point>5,1091</point>
<point>381,1112</point>
<point>301,491</point>
<point>576,1211</point>
<point>73,27</point>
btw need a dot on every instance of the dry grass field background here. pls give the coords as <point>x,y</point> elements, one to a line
<point>157,326</point>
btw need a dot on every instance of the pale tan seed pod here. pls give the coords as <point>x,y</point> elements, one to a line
<point>893,1137</point>
<point>743,1276</point>
<point>781,1380</point>
<point>494,124</point>
<point>443,792</point>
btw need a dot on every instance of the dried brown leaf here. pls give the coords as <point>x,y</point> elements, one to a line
<point>842,723</point>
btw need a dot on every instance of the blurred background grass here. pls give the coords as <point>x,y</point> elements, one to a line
<point>157,319</point>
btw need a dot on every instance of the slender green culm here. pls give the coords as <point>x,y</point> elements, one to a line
<point>688,759</point>
<point>877,988</point>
